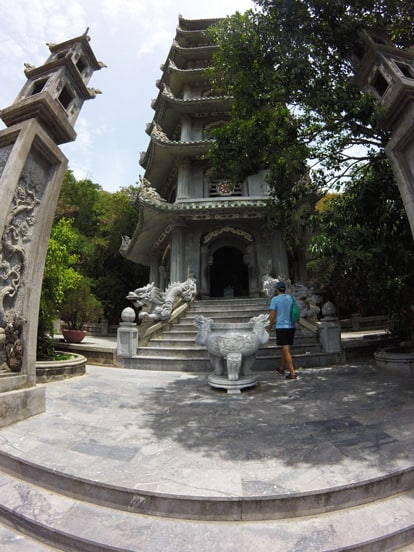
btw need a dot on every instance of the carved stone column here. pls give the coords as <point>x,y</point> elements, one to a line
<point>31,173</point>
<point>177,247</point>
<point>183,180</point>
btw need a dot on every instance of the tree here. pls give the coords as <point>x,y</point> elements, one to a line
<point>84,249</point>
<point>77,201</point>
<point>363,250</point>
<point>59,276</point>
<point>262,134</point>
<point>79,306</point>
<point>102,218</point>
<point>288,67</point>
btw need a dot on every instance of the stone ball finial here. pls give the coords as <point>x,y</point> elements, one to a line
<point>128,315</point>
<point>328,309</point>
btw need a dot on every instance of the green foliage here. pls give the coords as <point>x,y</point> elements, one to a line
<point>101,219</point>
<point>84,251</point>
<point>77,201</point>
<point>59,276</point>
<point>296,54</point>
<point>363,250</point>
<point>296,111</point>
<point>79,306</point>
<point>45,349</point>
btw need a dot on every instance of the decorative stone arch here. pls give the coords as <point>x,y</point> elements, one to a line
<point>228,263</point>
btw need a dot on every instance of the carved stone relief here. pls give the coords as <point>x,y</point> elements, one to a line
<point>4,155</point>
<point>17,235</point>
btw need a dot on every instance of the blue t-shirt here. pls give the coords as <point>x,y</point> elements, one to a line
<point>282,304</point>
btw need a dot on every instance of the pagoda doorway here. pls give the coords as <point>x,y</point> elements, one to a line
<point>229,276</point>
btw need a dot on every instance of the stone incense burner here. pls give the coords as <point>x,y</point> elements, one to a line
<point>232,348</point>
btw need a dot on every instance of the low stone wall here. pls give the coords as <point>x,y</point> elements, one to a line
<point>57,370</point>
<point>357,322</point>
<point>93,354</point>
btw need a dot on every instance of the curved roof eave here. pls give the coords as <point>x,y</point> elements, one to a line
<point>196,24</point>
<point>162,153</point>
<point>157,217</point>
<point>191,105</point>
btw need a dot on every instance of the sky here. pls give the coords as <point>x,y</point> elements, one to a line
<point>133,38</point>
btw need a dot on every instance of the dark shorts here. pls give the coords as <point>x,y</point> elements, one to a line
<point>285,336</point>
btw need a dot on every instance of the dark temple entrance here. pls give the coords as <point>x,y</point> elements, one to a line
<point>228,274</point>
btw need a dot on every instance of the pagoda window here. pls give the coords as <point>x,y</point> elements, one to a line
<point>65,97</point>
<point>405,69</point>
<point>224,188</point>
<point>38,86</point>
<point>81,65</point>
<point>379,83</point>
<point>176,135</point>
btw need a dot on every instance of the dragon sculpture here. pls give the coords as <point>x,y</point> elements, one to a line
<point>160,304</point>
<point>307,299</point>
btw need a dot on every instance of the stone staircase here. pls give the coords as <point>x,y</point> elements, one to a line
<point>41,507</point>
<point>175,349</point>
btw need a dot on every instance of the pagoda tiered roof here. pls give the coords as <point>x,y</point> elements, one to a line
<point>157,217</point>
<point>192,105</point>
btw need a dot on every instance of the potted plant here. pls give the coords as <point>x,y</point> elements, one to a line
<point>78,308</point>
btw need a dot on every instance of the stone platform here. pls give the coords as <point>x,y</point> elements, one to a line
<point>160,461</point>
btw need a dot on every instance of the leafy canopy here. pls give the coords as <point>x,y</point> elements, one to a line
<point>296,54</point>
<point>364,245</point>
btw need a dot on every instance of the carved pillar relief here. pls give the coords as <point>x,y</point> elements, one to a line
<point>4,155</point>
<point>26,219</point>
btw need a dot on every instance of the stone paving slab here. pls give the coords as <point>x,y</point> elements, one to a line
<point>171,433</point>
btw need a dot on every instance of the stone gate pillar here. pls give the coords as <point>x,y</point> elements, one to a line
<point>31,173</point>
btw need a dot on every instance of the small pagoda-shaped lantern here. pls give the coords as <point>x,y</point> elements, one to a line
<point>55,91</point>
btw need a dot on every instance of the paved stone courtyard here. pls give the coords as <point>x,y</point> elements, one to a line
<point>170,433</point>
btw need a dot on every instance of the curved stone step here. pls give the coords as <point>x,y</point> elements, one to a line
<point>176,362</point>
<point>69,524</point>
<point>224,508</point>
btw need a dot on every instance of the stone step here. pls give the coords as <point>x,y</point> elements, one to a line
<point>185,335</point>
<point>261,303</point>
<point>82,516</point>
<point>175,349</point>
<point>12,540</point>
<point>182,347</point>
<point>225,316</point>
<point>196,363</point>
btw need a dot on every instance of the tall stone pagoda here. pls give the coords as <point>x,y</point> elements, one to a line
<point>189,223</point>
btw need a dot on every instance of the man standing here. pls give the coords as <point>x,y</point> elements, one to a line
<point>280,319</point>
